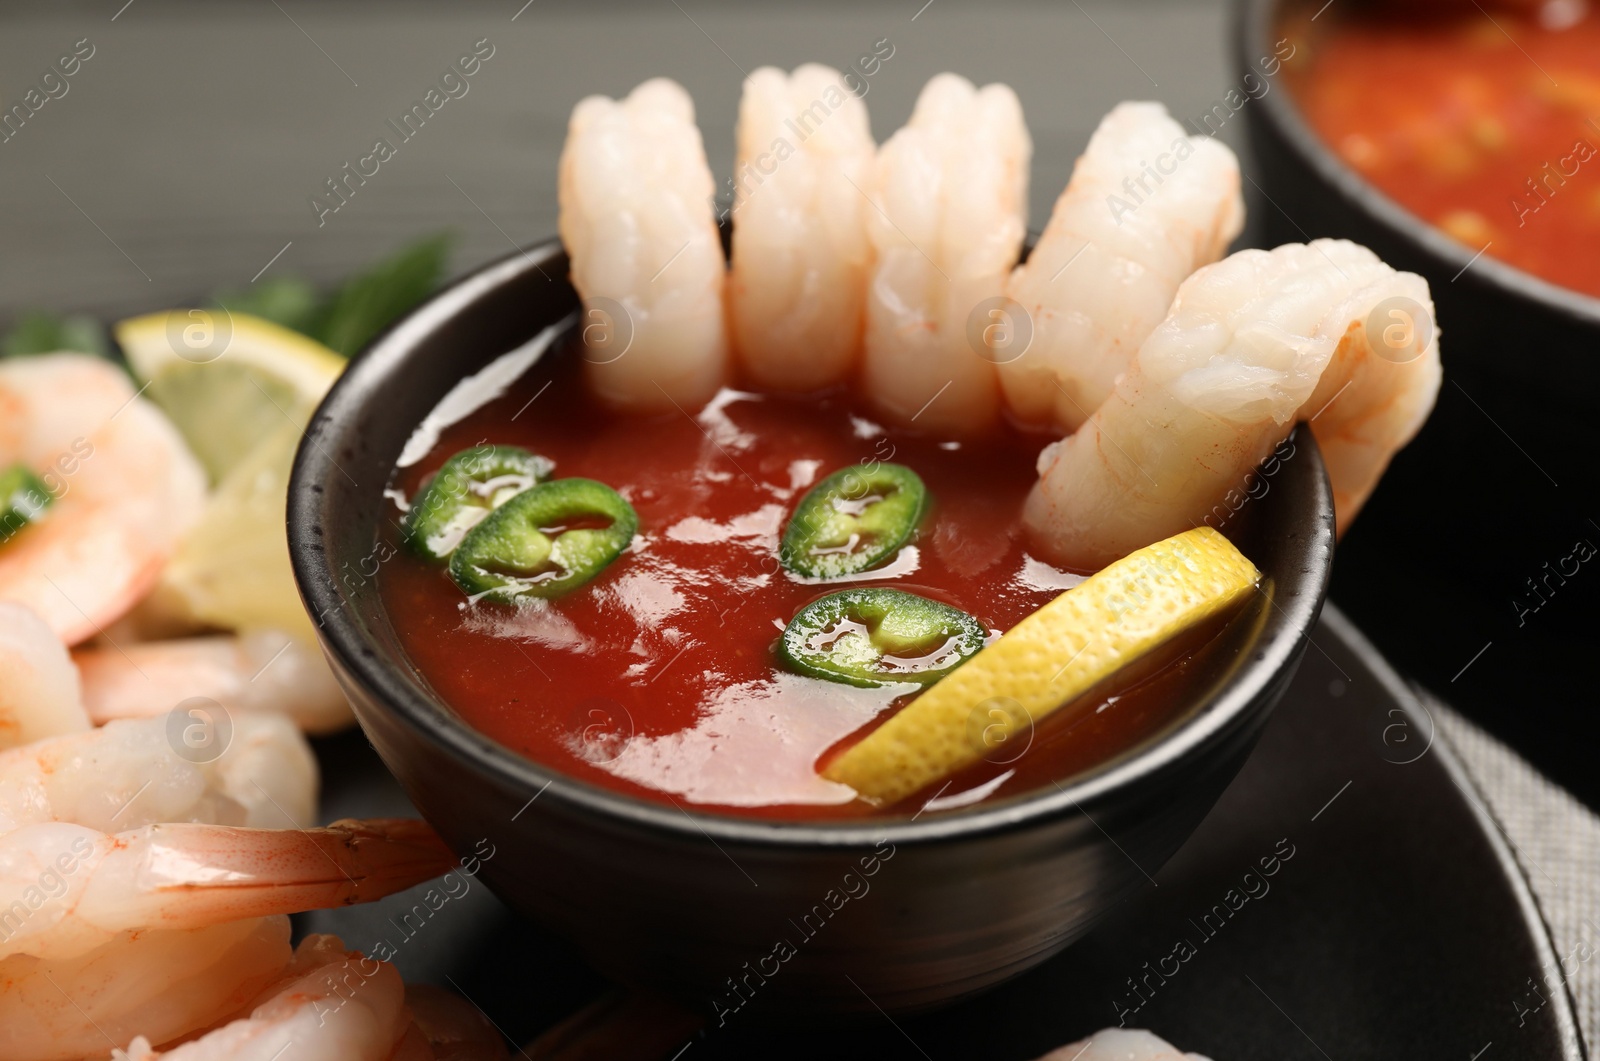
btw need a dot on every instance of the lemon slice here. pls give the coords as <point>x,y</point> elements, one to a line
<point>1115,617</point>
<point>226,380</point>
<point>232,569</point>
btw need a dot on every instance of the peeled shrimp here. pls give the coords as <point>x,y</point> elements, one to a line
<point>330,1003</point>
<point>66,889</point>
<point>950,203</point>
<point>126,489</point>
<point>1120,1044</point>
<point>262,670</point>
<point>159,983</point>
<point>636,217</point>
<point>1146,206</point>
<point>1370,401</point>
<point>798,281</point>
<point>146,771</point>
<point>39,691</point>
<point>1243,353</point>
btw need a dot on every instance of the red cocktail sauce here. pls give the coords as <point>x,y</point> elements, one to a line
<point>1483,123</point>
<point>657,679</point>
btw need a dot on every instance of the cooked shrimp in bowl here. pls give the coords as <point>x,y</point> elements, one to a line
<point>1251,345</point>
<point>636,217</point>
<point>797,276</point>
<point>948,218</point>
<point>1146,206</point>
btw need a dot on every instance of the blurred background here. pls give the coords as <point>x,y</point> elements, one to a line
<point>197,134</point>
<point>187,151</point>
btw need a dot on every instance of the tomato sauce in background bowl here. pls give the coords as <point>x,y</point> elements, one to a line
<point>1486,126</point>
<point>1502,480</point>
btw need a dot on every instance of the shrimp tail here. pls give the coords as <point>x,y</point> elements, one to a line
<point>189,875</point>
<point>351,861</point>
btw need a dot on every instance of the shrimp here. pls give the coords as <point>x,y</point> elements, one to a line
<point>635,194</point>
<point>126,489</point>
<point>261,670</point>
<point>1239,358</point>
<point>142,772</point>
<point>1376,394</point>
<point>39,691</point>
<point>1120,1044</point>
<point>797,287</point>
<point>949,213</point>
<point>330,1003</point>
<point>1146,206</point>
<point>161,984</point>
<point>66,889</point>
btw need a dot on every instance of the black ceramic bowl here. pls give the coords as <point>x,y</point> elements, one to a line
<point>895,913</point>
<point>1501,480</point>
<point>1492,312</point>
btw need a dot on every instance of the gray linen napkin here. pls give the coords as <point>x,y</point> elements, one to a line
<point>1556,840</point>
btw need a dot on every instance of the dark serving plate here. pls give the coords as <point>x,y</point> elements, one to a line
<point>1501,480</point>
<point>1401,927</point>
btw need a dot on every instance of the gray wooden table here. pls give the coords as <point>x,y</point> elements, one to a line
<point>184,154</point>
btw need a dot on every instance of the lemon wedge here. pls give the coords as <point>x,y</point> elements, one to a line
<point>232,569</point>
<point>226,380</point>
<point>1117,616</point>
<point>241,390</point>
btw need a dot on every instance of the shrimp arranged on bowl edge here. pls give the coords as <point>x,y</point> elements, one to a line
<point>636,218</point>
<point>797,282</point>
<point>949,214</point>
<point>125,490</point>
<point>1376,393</point>
<point>1175,373</point>
<point>1240,357</point>
<point>1146,206</point>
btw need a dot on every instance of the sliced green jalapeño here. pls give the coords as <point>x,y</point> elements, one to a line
<point>23,499</point>
<point>874,636</point>
<point>854,520</point>
<point>544,542</point>
<point>466,488</point>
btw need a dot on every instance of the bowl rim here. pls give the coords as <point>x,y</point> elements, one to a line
<point>342,638</point>
<point>1253,29</point>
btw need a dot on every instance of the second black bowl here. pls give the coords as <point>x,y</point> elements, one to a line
<point>1492,495</point>
<point>898,912</point>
